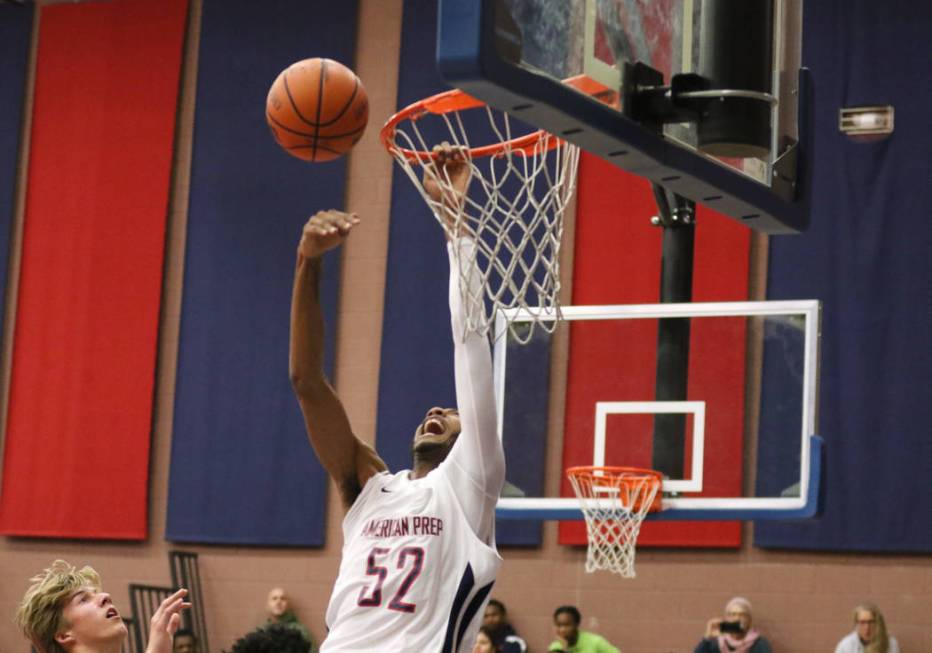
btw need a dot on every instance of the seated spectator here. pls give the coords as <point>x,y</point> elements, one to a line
<point>496,617</point>
<point>185,641</point>
<point>570,639</point>
<point>488,640</point>
<point>870,633</point>
<point>733,632</point>
<point>65,610</point>
<point>280,613</point>
<point>275,638</point>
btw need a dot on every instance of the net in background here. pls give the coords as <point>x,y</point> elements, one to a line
<point>615,502</point>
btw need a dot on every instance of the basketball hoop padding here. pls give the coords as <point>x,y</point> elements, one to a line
<point>614,501</point>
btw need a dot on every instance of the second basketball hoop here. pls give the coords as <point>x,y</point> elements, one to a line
<point>615,501</point>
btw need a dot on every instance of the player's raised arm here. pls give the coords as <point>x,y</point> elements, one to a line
<point>476,463</point>
<point>348,460</point>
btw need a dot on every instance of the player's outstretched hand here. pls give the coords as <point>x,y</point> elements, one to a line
<point>446,178</point>
<point>165,622</point>
<point>324,231</point>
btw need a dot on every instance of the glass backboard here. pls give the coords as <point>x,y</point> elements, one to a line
<point>745,446</point>
<point>596,38</point>
<point>522,57</point>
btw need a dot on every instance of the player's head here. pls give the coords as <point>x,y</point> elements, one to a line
<point>435,436</point>
<point>869,624</point>
<point>185,641</point>
<point>488,640</point>
<point>65,608</point>
<point>738,610</point>
<point>495,614</point>
<point>272,639</point>
<point>277,603</point>
<point>566,621</point>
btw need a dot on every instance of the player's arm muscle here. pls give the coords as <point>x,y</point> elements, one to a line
<point>348,460</point>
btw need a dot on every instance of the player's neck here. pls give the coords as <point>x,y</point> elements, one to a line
<point>421,469</point>
<point>104,647</point>
<point>427,457</point>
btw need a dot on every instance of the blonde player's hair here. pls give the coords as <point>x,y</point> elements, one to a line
<point>881,641</point>
<point>40,613</point>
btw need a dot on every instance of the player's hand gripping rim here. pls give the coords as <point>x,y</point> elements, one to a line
<point>446,181</point>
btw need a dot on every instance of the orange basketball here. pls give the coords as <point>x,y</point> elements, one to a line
<point>317,109</point>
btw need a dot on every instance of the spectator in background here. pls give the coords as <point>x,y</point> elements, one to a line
<point>733,633</point>
<point>65,610</point>
<point>496,617</point>
<point>570,639</point>
<point>488,640</point>
<point>185,641</point>
<point>870,633</point>
<point>275,638</point>
<point>281,614</point>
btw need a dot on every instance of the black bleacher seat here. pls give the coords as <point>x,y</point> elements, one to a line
<point>145,600</point>
<point>131,642</point>
<point>185,573</point>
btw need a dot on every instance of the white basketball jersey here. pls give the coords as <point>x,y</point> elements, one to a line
<point>414,576</point>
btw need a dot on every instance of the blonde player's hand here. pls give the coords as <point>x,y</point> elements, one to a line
<point>324,231</point>
<point>165,621</point>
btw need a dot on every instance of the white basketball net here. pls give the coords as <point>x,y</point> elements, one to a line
<point>514,212</point>
<point>614,505</point>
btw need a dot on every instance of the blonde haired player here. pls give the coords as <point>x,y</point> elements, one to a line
<point>419,556</point>
<point>66,611</point>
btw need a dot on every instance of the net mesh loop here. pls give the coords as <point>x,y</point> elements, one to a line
<point>614,501</point>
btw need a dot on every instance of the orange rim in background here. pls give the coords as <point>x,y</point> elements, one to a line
<point>625,479</point>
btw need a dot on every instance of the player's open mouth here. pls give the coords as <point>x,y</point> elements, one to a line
<point>433,427</point>
<point>112,612</point>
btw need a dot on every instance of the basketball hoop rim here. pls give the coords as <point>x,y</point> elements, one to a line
<point>456,100</point>
<point>622,476</point>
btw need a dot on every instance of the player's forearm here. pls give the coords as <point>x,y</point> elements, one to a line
<point>306,352</point>
<point>483,456</point>
<point>480,453</point>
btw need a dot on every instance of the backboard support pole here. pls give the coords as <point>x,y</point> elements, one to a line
<point>672,375</point>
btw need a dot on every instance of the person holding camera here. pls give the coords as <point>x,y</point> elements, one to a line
<point>733,633</point>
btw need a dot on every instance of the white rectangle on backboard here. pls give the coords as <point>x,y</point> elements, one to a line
<point>695,408</point>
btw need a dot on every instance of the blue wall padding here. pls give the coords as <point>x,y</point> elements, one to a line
<point>417,346</point>
<point>242,471</point>
<point>524,428</point>
<point>866,257</point>
<point>15,31</point>
<point>417,349</point>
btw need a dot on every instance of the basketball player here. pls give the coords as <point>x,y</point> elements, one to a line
<point>419,554</point>
<point>66,611</point>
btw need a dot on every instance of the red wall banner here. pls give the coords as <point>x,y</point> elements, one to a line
<point>76,458</point>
